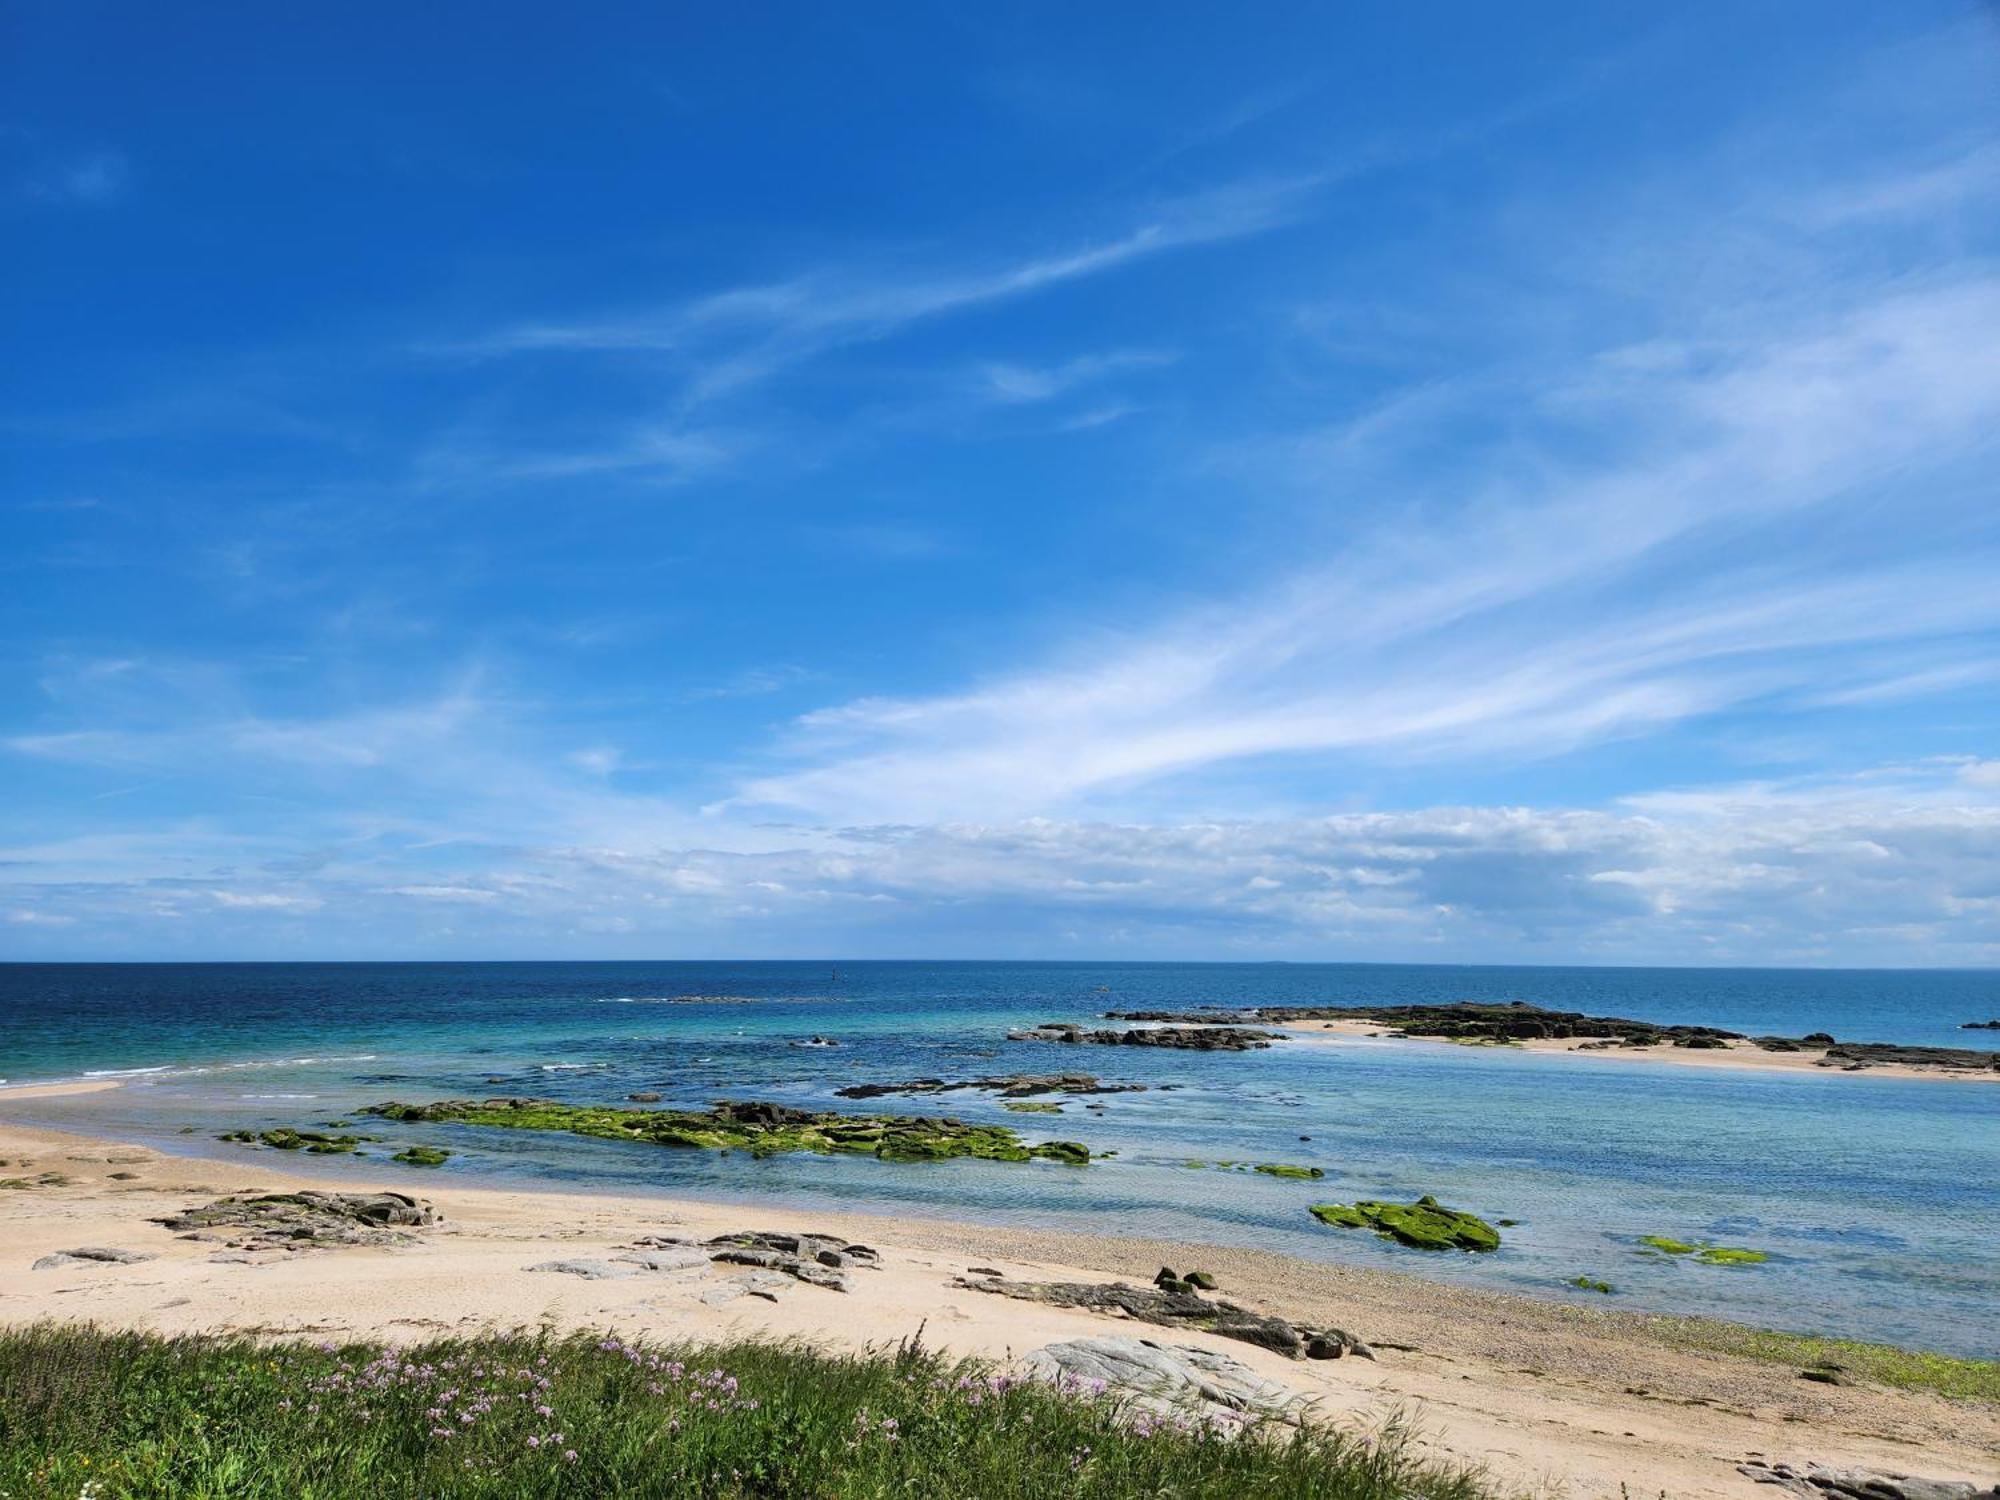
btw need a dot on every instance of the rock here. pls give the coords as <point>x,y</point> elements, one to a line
<point>983,1271</point>
<point>590,1270</point>
<point>1819,1482</point>
<point>1007,1086</point>
<point>1179,1309</point>
<point>1169,1378</point>
<point>1424,1225</point>
<point>422,1156</point>
<point>1979,1026</point>
<point>817,1259</point>
<point>667,1258</point>
<point>644,1097</point>
<point>1478,1021</point>
<point>1191,1038</point>
<point>763,1129</point>
<point>1298,1174</point>
<point>92,1255</point>
<point>1201,1281</point>
<point>308,1219</point>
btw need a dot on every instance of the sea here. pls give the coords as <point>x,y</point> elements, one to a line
<point>1876,1199</point>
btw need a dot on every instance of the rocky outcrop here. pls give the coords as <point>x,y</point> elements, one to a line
<point>822,1260</point>
<point>1821,1482</point>
<point>1517,1021</point>
<point>304,1220</point>
<point>1187,1038</point>
<point>1979,1026</point>
<point>1007,1086</point>
<point>1168,1379</point>
<point>759,1128</point>
<point>1178,1309</point>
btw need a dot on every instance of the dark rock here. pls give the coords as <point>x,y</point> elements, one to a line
<point>1180,1309</point>
<point>1187,1038</point>
<point>644,1097</point>
<point>1007,1086</point>
<point>1470,1020</point>
<point>1979,1026</point>
<point>308,1219</point>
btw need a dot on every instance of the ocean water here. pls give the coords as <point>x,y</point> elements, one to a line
<point>1878,1199</point>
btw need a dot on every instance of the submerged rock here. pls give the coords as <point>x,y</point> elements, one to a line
<point>422,1156</point>
<point>1179,1308</point>
<point>1168,1378</point>
<point>759,1128</point>
<point>1189,1038</point>
<point>1424,1225</point>
<point>1007,1086</point>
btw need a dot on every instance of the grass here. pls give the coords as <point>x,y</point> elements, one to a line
<point>127,1414</point>
<point>1884,1364</point>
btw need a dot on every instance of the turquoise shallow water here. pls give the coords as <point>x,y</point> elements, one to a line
<point>1877,1198</point>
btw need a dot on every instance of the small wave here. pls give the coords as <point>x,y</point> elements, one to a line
<point>679,1000</point>
<point>127,1072</point>
<point>569,1067</point>
<point>277,1096</point>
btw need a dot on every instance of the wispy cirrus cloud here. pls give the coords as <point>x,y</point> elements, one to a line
<point>1564,602</point>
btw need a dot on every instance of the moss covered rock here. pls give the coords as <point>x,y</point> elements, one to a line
<point>1300,1174</point>
<point>760,1129</point>
<point>422,1156</point>
<point>1424,1225</point>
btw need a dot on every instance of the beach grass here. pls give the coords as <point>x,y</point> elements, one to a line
<point>1850,1359</point>
<point>108,1414</point>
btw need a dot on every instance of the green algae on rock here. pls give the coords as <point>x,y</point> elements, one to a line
<point>1424,1225</point>
<point>1705,1253</point>
<point>422,1156</point>
<point>1301,1174</point>
<point>760,1129</point>
<point>1592,1284</point>
<point>314,1141</point>
<point>1031,1108</point>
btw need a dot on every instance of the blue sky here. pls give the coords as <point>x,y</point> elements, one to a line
<point>1449,482</point>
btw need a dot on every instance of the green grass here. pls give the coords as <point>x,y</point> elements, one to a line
<point>1884,1364</point>
<point>124,1414</point>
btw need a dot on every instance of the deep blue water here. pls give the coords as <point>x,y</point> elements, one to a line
<point>1878,1198</point>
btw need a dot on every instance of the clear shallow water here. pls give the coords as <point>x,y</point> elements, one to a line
<point>1878,1198</point>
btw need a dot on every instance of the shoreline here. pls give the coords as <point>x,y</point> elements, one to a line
<point>1733,1056</point>
<point>1547,1394</point>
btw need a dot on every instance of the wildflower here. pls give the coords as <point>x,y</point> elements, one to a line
<point>569,1455</point>
<point>534,1442</point>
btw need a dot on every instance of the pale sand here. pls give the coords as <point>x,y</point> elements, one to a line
<point>1544,1394</point>
<point>56,1090</point>
<point>1731,1056</point>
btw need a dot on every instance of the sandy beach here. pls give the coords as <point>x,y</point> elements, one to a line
<point>1551,1398</point>
<point>1735,1056</point>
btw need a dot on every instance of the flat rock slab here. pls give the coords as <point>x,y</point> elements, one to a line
<point>1173,1377</point>
<point>590,1270</point>
<point>1179,1309</point>
<point>92,1255</point>
<point>666,1258</point>
<point>1819,1482</point>
<point>821,1260</point>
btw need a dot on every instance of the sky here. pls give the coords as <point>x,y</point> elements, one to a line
<point>1449,483</point>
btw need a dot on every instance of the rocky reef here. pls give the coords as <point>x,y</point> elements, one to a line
<point>1202,1038</point>
<point>1181,1307</point>
<point>760,1129</point>
<point>1424,1225</point>
<point>1007,1086</point>
<point>1517,1021</point>
<point>316,1142</point>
